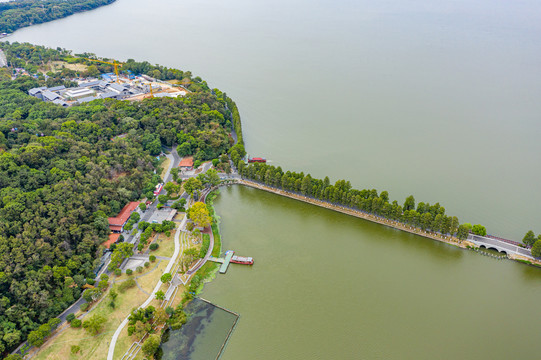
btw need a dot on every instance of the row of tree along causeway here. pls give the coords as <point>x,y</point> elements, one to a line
<point>422,218</point>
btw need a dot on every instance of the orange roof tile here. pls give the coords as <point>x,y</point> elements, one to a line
<point>124,214</point>
<point>113,238</point>
<point>186,162</point>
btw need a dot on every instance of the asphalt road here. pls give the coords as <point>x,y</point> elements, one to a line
<point>3,60</point>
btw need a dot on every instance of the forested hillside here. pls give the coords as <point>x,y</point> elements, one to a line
<point>63,172</point>
<point>17,14</point>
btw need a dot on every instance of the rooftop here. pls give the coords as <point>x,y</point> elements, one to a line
<point>86,99</point>
<point>124,214</point>
<point>57,88</point>
<point>49,95</point>
<point>186,162</point>
<point>35,91</point>
<point>117,87</point>
<point>113,238</point>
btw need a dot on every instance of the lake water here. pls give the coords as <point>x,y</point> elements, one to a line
<point>329,286</point>
<point>439,100</point>
<point>435,99</point>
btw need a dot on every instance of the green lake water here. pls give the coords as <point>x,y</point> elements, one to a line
<point>435,99</point>
<point>329,286</point>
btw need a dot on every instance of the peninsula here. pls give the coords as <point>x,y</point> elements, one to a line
<point>101,217</point>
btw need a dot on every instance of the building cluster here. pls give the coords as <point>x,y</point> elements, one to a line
<point>117,223</point>
<point>133,88</point>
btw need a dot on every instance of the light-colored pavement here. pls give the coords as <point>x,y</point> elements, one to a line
<point>500,245</point>
<point>3,60</point>
<point>175,160</point>
<point>110,354</point>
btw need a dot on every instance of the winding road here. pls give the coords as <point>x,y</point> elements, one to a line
<point>3,60</point>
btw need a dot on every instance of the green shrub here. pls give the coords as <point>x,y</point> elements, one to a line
<point>90,281</point>
<point>118,272</point>
<point>152,258</point>
<point>70,317</point>
<point>125,285</point>
<point>131,330</point>
<point>76,323</point>
<point>129,272</point>
<point>139,269</point>
<point>75,349</point>
<point>153,246</point>
<point>147,264</point>
<point>84,306</point>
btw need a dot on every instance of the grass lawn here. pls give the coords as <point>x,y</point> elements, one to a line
<point>119,279</point>
<point>167,245</point>
<point>93,347</point>
<point>96,347</point>
<point>124,341</point>
<point>165,165</point>
<point>149,281</point>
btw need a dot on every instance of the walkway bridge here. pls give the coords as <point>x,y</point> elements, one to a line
<point>499,245</point>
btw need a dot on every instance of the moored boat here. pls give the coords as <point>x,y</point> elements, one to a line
<point>244,260</point>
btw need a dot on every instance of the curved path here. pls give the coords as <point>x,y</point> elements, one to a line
<point>110,354</point>
<point>211,244</point>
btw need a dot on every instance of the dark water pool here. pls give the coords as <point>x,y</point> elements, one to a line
<point>204,335</point>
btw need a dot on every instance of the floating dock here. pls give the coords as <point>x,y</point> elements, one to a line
<point>227,260</point>
<point>230,257</point>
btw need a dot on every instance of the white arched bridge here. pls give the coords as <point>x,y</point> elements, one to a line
<point>500,245</point>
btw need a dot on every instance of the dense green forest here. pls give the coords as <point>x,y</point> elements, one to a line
<point>63,171</point>
<point>17,14</point>
<point>424,216</point>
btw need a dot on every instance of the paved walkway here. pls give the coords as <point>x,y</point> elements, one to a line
<point>111,353</point>
<point>140,288</point>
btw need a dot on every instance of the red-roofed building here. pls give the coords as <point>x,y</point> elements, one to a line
<point>186,163</point>
<point>116,224</point>
<point>113,238</point>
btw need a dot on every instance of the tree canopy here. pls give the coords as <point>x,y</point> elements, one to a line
<point>64,171</point>
<point>199,214</point>
<point>17,14</point>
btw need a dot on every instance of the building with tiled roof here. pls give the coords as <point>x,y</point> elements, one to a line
<point>116,224</point>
